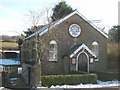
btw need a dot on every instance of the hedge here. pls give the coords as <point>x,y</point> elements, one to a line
<point>49,80</point>
<point>106,76</point>
<point>78,72</point>
<point>14,75</point>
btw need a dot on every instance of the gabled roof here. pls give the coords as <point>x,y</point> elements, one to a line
<point>53,24</point>
<point>83,46</point>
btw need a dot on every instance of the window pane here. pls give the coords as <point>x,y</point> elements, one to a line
<point>95,49</point>
<point>52,47</point>
<point>53,52</point>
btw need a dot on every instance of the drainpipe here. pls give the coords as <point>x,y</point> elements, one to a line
<point>88,65</point>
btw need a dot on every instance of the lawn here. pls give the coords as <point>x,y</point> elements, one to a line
<point>8,44</point>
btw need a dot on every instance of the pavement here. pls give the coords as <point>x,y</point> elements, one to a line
<point>108,88</point>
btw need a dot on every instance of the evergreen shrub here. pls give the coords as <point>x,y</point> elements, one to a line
<point>78,72</point>
<point>49,80</point>
<point>106,76</point>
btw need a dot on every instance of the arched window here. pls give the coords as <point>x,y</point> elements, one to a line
<point>95,49</point>
<point>53,51</point>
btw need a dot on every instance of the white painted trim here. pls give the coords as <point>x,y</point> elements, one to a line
<point>53,42</point>
<point>72,31</point>
<point>55,50</point>
<point>87,60</point>
<point>82,46</point>
<point>94,43</point>
<point>12,51</point>
<point>96,50</point>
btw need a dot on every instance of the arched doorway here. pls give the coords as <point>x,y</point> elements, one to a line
<point>83,62</point>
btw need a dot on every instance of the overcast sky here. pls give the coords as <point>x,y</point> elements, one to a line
<point>12,12</point>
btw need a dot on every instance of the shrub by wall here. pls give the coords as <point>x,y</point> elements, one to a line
<point>14,75</point>
<point>49,80</point>
<point>113,55</point>
<point>106,76</point>
<point>78,72</point>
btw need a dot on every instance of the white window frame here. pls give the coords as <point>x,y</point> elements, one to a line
<point>95,49</point>
<point>54,51</point>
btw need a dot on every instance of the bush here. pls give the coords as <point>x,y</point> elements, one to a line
<point>113,56</point>
<point>49,80</point>
<point>14,75</point>
<point>78,72</point>
<point>106,76</point>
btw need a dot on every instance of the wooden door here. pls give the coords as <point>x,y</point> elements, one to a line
<point>82,62</point>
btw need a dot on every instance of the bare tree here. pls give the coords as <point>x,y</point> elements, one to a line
<point>42,46</point>
<point>37,17</point>
<point>36,48</point>
<point>34,16</point>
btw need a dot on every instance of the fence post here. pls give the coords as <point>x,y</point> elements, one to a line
<point>0,79</point>
<point>29,75</point>
<point>5,79</point>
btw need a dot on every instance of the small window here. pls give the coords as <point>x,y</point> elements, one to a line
<point>95,49</point>
<point>53,51</point>
<point>19,70</point>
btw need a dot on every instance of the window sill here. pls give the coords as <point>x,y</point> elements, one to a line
<point>96,60</point>
<point>52,60</point>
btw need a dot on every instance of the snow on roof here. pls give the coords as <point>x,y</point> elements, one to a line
<point>82,46</point>
<point>43,30</point>
<point>53,24</point>
<point>12,51</point>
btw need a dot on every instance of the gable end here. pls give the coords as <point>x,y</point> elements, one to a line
<point>53,24</point>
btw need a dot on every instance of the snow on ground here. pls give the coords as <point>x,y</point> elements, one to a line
<point>1,88</point>
<point>98,85</point>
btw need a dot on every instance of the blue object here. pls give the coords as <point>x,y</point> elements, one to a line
<point>5,62</point>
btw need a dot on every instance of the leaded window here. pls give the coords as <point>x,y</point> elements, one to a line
<point>95,49</point>
<point>53,51</point>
